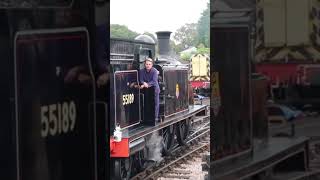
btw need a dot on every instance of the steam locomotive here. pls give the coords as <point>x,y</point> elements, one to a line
<point>57,119</point>
<point>136,137</point>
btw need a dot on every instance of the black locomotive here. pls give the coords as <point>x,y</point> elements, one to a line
<point>49,64</point>
<point>57,119</point>
<point>132,117</point>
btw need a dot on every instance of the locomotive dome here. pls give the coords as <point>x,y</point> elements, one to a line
<point>145,38</point>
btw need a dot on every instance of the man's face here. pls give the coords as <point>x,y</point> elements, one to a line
<point>148,65</point>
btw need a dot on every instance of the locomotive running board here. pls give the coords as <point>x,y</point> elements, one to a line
<point>146,130</point>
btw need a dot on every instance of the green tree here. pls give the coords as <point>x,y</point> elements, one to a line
<point>122,31</point>
<point>203,27</point>
<point>186,56</point>
<point>201,49</point>
<point>176,47</point>
<point>186,35</point>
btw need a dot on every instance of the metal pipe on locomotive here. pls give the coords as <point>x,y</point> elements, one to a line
<point>132,116</point>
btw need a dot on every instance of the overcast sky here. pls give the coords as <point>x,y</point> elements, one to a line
<point>155,15</point>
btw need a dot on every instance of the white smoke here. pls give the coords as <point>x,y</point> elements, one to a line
<point>154,147</point>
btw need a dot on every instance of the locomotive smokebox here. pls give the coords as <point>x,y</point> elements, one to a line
<point>164,42</point>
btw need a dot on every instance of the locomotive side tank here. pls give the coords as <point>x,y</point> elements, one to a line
<point>173,79</point>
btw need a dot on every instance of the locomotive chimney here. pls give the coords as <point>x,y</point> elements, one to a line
<point>164,42</point>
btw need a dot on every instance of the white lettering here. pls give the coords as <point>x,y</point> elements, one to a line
<point>127,99</point>
<point>53,120</point>
<point>44,121</point>
<point>58,118</point>
<point>72,115</point>
<point>65,120</point>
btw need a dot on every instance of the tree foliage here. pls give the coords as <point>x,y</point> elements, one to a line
<point>186,35</point>
<point>201,49</point>
<point>186,56</point>
<point>122,31</point>
<point>176,47</point>
<point>203,27</point>
<point>195,34</point>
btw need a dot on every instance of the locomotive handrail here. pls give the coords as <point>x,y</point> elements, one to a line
<point>121,59</point>
<point>176,65</point>
<point>143,48</point>
<point>116,54</point>
<point>141,94</point>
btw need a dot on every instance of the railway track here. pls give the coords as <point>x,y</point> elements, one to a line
<point>180,163</point>
<point>186,167</point>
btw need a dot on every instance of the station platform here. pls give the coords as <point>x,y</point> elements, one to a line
<point>275,152</point>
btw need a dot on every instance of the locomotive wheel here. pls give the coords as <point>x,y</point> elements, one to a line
<point>183,128</point>
<point>139,161</point>
<point>122,168</point>
<point>167,139</point>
